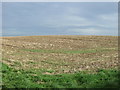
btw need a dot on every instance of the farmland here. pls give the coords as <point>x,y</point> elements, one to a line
<point>60,61</point>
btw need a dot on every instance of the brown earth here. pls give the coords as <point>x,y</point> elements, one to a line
<point>61,54</point>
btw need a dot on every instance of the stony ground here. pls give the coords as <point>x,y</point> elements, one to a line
<point>60,54</point>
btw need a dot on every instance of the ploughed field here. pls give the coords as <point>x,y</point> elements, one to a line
<point>61,54</point>
<point>54,55</point>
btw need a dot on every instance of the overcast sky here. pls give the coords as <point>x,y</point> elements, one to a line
<point>60,18</point>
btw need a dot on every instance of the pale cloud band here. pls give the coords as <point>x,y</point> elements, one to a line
<point>59,0</point>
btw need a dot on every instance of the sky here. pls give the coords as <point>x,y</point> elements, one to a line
<point>59,18</point>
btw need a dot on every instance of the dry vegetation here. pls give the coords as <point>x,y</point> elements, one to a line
<point>60,54</point>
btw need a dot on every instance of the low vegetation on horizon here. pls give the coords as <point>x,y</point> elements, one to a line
<point>60,62</point>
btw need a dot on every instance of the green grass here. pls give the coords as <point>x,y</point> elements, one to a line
<point>35,79</point>
<point>68,51</point>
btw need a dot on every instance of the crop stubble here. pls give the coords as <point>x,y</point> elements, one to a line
<point>61,54</point>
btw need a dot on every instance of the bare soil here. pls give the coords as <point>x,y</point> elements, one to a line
<point>60,54</point>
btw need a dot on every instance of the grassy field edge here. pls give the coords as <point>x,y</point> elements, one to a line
<point>13,78</point>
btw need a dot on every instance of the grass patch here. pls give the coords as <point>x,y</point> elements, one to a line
<point>34,79</point>
<point>5,59</point>
<point>68,51</point>
<point>17,63</point>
